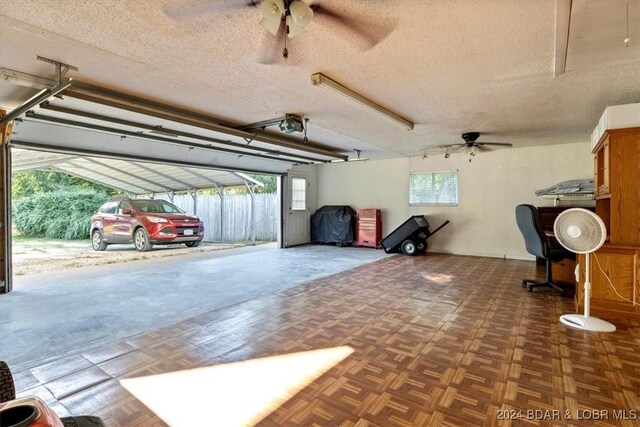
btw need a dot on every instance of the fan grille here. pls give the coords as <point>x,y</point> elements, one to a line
<point>579,230</point>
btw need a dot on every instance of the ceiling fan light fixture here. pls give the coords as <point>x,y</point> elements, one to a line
<point>293,29</point>
<point>271,26</point>
<point>301,13</point>
<point>271,10</point>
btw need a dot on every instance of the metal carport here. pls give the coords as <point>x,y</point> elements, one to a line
<point>139,177</point>
<point>154,146</point>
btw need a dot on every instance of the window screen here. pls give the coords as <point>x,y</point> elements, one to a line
<point>434,188</point>
<point>298,194</point>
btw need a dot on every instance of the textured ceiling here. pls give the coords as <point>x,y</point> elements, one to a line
<point>450,66</point>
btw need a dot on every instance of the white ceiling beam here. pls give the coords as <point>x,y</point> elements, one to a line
<point>563,26</point>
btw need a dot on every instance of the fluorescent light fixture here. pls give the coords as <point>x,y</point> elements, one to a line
<point>24,79</point>
<point>350,160</point>
<point>326,83</point>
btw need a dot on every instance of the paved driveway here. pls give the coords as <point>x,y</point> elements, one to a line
<point>49,315</point>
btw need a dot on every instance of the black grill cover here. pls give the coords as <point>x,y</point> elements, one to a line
<point>333,224</point>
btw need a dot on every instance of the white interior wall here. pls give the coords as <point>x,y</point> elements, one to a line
<point>489,188</point>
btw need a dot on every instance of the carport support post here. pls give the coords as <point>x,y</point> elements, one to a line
<point>6,279</point>
<point>253,206</point>
<point>220,191</point>
<point>194,196</point>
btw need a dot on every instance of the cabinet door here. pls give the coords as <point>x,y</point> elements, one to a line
<point>601,168</point>
<point>621,266</point>
<point>596,178</point>
<point>606,152</point>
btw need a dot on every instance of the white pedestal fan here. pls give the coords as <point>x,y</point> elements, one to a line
<point>582,232</point>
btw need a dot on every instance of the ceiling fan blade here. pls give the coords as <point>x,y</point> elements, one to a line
<point>179,12</point>
<point>501,144</point>
<point>366,35</point>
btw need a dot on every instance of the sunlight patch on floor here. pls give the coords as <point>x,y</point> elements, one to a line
<point>233,394</point>
<point>438,278</point>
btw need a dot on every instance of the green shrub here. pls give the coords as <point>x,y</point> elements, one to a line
<point>62,214</point>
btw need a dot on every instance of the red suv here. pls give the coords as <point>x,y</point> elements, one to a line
<point>143,222</point>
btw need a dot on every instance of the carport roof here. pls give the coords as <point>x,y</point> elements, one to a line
<point>135,177</point>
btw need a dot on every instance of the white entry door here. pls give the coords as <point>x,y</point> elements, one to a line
<point>296,210</point>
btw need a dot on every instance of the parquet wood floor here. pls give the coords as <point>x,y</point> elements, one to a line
<point>438,340</point>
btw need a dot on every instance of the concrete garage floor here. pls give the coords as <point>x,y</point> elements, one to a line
<point>50,315</point>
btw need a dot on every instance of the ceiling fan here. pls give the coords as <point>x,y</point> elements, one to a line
<point>470,144</point>
<point>295,15</point>
<point>286,19</point>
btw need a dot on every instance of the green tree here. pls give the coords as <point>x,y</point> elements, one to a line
<point>269,181</point>
<point>270,185</point>
<point>60,214</point>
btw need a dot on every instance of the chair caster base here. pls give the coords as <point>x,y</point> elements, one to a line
<point>530,284</point>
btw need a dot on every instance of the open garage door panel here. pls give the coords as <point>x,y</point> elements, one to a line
<point>101,122</point>
<point>94,128</point>
<point>71,140</point>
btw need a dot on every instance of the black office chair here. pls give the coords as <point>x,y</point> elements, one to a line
<point>538,244</point>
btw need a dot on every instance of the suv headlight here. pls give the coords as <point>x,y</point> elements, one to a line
<point>156,219</point>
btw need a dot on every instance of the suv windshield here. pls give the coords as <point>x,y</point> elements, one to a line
<point>156,206</point>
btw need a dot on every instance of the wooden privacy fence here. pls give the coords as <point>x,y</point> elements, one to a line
<point>235,213</point>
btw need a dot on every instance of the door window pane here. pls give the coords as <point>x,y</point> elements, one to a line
<point>112,207</point>
<point>124,205</point>
<point>298,194</point>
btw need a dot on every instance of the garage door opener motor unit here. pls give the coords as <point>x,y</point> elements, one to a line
<point>411,237</point>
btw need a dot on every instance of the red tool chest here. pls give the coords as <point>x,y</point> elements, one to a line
<point>368,228</point>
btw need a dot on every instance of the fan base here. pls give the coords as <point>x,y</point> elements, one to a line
<point>593,324</point>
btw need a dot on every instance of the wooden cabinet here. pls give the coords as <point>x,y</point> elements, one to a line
<point>617,185</point>
<point>616,299</point>
<point>563,272</point>
<point>617,182</point>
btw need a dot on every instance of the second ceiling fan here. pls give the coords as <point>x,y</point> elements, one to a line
<point>470,144</point>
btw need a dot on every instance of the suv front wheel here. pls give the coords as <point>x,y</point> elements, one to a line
<point>141,240</point>
<point>96,241</point>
